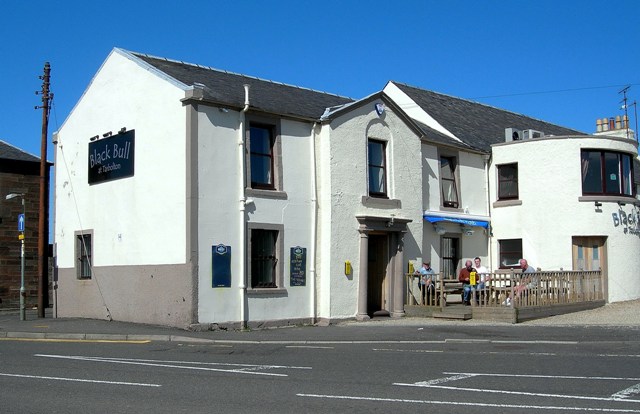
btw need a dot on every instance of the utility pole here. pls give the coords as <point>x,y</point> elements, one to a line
<point>43,233</point>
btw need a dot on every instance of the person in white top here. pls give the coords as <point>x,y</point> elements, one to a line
<point>484,275</point>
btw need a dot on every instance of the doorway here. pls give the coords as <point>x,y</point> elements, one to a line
<point>590,253</point>
<point>450,255</point>
<point>378,286</point>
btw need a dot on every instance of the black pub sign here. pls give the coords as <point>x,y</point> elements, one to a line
<point>298,266</point>
<point>112,158</point>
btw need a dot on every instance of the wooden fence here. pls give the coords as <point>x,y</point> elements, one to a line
<point>512,288</point>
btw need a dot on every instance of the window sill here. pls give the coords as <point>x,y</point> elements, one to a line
<point>275,194</point>
<point>377,202</point>
<point>266,292</point>
<point>507,203</point>
<point>609,199</point>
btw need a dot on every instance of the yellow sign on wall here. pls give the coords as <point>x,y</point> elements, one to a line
<point>347,268</point>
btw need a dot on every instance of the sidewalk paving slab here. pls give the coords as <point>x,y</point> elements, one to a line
<point>619,314</point>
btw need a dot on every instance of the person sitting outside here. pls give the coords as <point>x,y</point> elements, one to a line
<point>465,277</point>
<point>527,280</point>
<point>484,274</point>
<point>425,283</point>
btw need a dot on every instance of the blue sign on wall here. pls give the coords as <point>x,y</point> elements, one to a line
<point>221,265</point>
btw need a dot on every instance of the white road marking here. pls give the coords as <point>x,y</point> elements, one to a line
<point>621,396</point>
<point>542,376</point>
<point>443,380</point>
<point>535,342</point>
<point>533,394</point>
<point>310,347</point>
<point>427,351</point>
<point>471,404</point>
<point>243,368</point>
<point>627,392</point>
<point>80,380</point>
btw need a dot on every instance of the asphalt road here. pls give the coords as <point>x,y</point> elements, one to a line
<point>522,369</point>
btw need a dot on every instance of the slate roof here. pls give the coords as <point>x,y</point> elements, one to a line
<point>227,89</point>
<point>477,125</point>
<point>9,152</point>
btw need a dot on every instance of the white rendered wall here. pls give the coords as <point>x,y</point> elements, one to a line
<point>472,189</point>
<point>343,183</point>
<point>218,217</point>
<point>137,223</point>
<point>550,185</point>
<point>136,220</point>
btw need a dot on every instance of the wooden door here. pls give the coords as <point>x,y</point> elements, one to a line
<point>589,253</point>
<point>377,273</point>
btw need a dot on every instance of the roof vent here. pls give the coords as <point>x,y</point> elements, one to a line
<point>512,134</point>
<point>532,133</point>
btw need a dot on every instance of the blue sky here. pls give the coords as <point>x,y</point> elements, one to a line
<point>560,61</point>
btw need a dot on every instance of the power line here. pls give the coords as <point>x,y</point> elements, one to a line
<point>554,91</point>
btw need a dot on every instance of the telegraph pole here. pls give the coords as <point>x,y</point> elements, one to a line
<point>43,233</point>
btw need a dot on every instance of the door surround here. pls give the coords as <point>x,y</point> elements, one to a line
<point>394,228</point>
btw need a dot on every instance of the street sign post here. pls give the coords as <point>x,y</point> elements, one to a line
<point>20,222</point>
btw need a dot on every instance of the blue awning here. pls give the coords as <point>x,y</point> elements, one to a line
<point>473,223</point>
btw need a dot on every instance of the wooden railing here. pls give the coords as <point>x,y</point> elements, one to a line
<point>513,288</point>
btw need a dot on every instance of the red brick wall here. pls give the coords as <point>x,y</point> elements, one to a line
<point>10,266</point>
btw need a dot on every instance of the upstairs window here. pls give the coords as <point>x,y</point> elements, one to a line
<point>261,144</point>
<point>377,169</point>
<point>448,182</point>
<point>508,182</point>
<point>607,173</point>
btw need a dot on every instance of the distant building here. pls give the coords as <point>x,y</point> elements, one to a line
<point>188,198</point>
<point>19,174</point>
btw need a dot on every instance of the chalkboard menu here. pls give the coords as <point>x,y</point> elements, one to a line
<point>298,266</point>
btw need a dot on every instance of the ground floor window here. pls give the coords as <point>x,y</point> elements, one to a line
<point>84,253</point>
<point>510,253</point>
<point>265,256</point>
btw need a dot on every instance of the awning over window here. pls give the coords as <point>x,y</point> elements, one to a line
<point>432,218</point>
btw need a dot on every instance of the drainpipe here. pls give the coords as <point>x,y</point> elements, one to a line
<point>488,194</point>
<point>314,225</point>
<point>243,199</point>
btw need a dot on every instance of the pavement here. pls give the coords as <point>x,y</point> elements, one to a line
<point>619,314</point>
